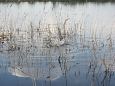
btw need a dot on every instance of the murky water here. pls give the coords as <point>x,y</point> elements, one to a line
<point>47,44</point>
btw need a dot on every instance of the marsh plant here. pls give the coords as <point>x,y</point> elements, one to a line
<point>47,51</point>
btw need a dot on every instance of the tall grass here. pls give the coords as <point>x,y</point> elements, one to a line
<point>36,46</point>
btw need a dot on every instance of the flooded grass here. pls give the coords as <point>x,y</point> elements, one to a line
<point>56,54</point>
<point>43,55</point>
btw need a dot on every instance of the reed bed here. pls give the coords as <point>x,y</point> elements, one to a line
<point>50,51</point>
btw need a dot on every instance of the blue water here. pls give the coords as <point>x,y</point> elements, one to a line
<point>43,44</point>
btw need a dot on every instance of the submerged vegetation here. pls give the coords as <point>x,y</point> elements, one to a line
<point>66,51</point>
<point>31,50</point>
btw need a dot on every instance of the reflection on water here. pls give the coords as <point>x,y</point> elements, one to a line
<point>61,45</point>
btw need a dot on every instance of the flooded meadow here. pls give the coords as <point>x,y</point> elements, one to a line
<point>57,44</point>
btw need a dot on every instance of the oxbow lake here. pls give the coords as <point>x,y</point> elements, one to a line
<point>57,44</point>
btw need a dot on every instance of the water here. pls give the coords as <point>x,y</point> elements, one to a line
<point>57,44</point>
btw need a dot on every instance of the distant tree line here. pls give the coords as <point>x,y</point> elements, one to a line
<point>82,1</point>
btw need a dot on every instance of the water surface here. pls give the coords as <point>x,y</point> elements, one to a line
<point>47,44</point>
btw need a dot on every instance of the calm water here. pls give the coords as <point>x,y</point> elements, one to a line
<point>47,44</point>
